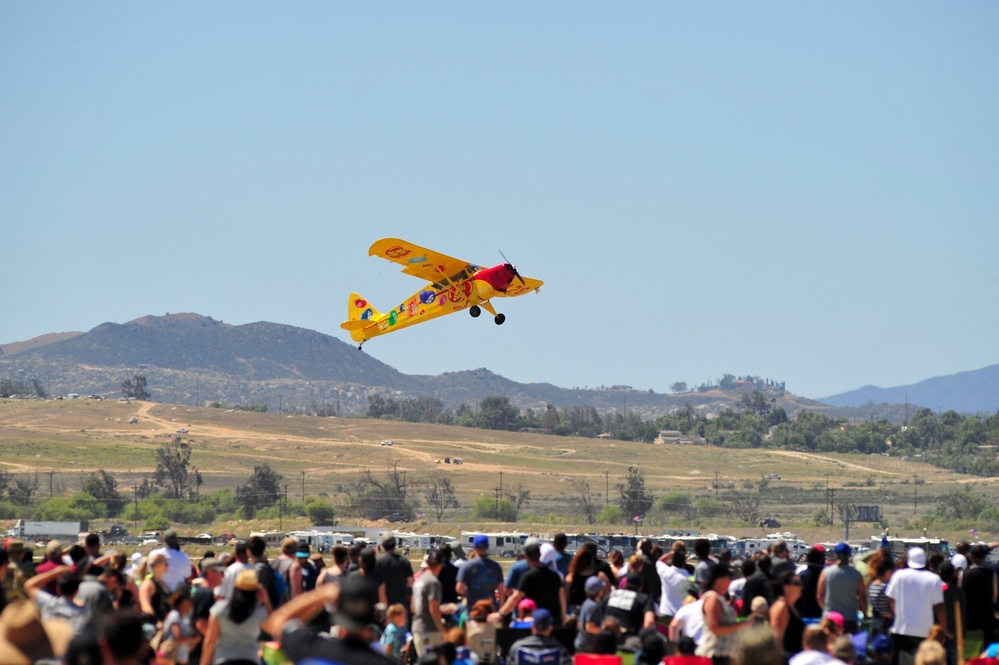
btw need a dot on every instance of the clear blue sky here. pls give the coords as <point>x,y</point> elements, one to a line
<point>806,192</point>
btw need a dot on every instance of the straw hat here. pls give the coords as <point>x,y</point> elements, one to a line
<point>247,580</point>
<point>26,638</point>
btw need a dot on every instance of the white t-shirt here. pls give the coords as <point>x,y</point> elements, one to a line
<point>959,561</point>
<point>915,592</point>
<point>735,587</point>
<point>229,579</point>
<point>178,567</point>
<point>692,616</point>
<point>674,588</point>
<point>811,657</point>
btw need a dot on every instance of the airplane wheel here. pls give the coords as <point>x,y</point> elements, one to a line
<point>474,311</point>
<point>500,318</point>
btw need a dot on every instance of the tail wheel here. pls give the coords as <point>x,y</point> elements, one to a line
<point>500,318</point>
<point>474,311</point>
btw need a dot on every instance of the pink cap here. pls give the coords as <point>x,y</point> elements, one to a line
<point>837,618</point>
<point>527,604</point>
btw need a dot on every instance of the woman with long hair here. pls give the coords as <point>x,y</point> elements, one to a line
<point>879,571</point>
<point>785,621</point>
<point>720,621</point>
<point>154,596</point>
<point>234,624</point>
<point>582,566</point>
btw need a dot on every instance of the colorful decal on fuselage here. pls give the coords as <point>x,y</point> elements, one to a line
<point>360,302</point>
<point>427,297</point>
<point>368,313</point>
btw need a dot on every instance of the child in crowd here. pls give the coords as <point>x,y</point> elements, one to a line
<point>525,614</point>
<point>177,639</point>
<point>394,637</point>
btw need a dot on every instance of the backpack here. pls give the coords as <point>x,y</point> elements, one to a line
<point>309,576</point>
<point>283,569</point>
<point>272,582</point>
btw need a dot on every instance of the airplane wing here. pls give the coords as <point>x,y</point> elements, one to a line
<point>439,269</point>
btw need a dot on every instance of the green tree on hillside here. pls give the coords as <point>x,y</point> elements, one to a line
<point>135,387</point>
<point>261,489</point>
<point>173,463</point>
<point>104,487</point>
<point>635,498</point>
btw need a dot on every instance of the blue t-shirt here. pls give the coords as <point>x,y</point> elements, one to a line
<point>481,575</point>
<point>516,570</point>
<point>589,612</point>
<point>394,639</point>
<point>562,562</point>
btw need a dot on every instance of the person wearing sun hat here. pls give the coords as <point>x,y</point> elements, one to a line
<point>234,623</point>
<point>916,597</point>
<point>26,638</point>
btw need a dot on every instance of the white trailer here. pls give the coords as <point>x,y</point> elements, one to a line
<point>42,531</point>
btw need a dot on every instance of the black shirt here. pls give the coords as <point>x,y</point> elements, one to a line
<point>202,602</point>
<point>448,578</point>
<point>300,644</point>
<point>542,585</point>
<point>978,593</point>
<point>757,584</point>
<point>629,608</point>
<point>395,570</point>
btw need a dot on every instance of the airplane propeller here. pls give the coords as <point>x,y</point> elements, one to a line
<point>512,267</point>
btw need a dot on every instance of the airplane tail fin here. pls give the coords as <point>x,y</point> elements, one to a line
<point>360,315</point>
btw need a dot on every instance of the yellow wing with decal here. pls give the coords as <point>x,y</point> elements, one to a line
<point>439,269</point>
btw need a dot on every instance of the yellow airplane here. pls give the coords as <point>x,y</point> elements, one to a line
<point>453,285</point>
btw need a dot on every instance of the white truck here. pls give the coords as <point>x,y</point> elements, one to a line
<point>68,532</point>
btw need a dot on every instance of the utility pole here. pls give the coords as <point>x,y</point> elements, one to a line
<point>606,488</point>
<point>51,476</point>
<point>716,485</point>
<point>303,485</point>
<point>832,506</point>
<point>915,496</point>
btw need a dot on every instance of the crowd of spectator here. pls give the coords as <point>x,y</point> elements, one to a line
<point>367,605</point>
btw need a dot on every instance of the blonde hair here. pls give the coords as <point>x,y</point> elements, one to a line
<point>289,545</point>
<point>636,562</point>
<point>931,653</point>
<point>394,611</point>
<point>155,559</point>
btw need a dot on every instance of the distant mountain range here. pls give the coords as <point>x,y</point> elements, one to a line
<point>976,391</point>
<point>194,359</point>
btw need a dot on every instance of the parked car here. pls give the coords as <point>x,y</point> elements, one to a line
<point>396,517</point>
<point>388,443</point>
<point>769,523</point>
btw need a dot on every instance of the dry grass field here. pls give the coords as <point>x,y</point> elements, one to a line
<point>71,438</point>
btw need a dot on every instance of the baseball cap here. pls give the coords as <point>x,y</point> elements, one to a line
<point>882,645</point>
<point>836,618</point>
<point>356,606</point>
<point>527,604</point>
<point>548,554</point>
<point>916,557</point>
<point>842,549</point>
<point>542,619</point>
<point>594,585</point>
<point>136,558</point>
<point>481,542</point>
<point>303,551</point>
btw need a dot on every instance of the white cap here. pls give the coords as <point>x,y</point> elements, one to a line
<point>916,557</point>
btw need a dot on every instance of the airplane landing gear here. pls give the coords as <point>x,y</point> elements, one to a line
<point>474,311</point>
<point>500,318</point>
